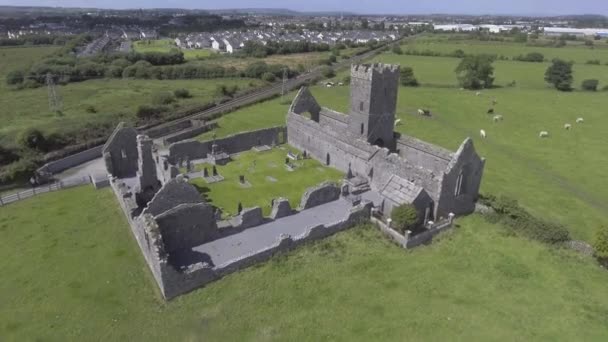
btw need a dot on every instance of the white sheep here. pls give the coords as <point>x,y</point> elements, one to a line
<point>497,118</point>
<point>420,112</point>
<point>397,122</point>
<point>482,133</point>
<point>478,93</point>
<point>580,120</point>
<point>568,126</point>
<point>543,134</point>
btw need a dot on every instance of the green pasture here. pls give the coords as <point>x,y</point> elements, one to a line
<point>72,271</point>
<point>166,45</point>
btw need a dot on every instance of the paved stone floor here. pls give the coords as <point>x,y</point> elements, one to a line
<point>254,239</point>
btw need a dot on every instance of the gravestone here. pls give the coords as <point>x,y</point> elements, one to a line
<point>287,161</point>
<point>214,170</point>
<point>240,208</point>
<point>242,179</point>
<point>205,172</point>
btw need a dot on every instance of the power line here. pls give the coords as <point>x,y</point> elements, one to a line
<point>55,101</point>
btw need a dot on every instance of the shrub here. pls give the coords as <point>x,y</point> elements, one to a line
<point>590,85</point>
<point>333,59</point>
<point>509,213</point>
<point>407,77</point>
<point>269,77</point>
<point>7,156</point>
<point>536,57</point>
<point>404,217</point>
<point>346,79</point>
<point>163,98</point>
<point>33,139</point>
<point>559,74</point>
<point>328,72</point>
<point>182,93</point>
<point>91,109</point>
<point>14,77</point>
<point>600,244</point>
<point>397,49</point>
<point>146,112</point>
<point>19,171</point>
<point>593,62</point>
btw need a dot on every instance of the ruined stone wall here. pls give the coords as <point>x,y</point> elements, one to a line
<point>71,161</point>
<point>230,144</point>
<point>320,141</point>
<point>120,152</point>
<point>421,153</point>
<point>336,120</point>
<point>386,164</point>
<point>466,161</point>
<point>175,192</point>
<point>321,194</point>
<point>186,226</point>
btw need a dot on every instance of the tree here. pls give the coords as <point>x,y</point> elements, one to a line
<point>268,77</point>
<point>328,72</point>
<point>590,85</point>
<point>397,49</point>
<point>33,139</point>
<point>600,245</point>
<point>476,71</point>
<point>182,93</point>
<point>404,217</point>
<point>407,77</point>
<point>559,74</point>
<point>14,77</point>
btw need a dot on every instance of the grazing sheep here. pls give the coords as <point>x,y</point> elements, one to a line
<point>568,126</point>
<point>397,122</point>
<point>497,118</point>
<point>420,112</point>
<point>482,133</point>
<point>543,134</point>
<point>494,102</point>
<point>490,111</point>
<point>477,93</point>
<point>579,120</point>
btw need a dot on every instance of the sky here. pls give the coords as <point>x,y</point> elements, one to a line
<point>521,7</point>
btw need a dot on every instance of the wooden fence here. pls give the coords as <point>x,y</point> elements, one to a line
<point>66,184</point>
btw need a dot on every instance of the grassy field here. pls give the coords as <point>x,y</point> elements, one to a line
<point>73,271</point>
<point>166,45</point>
<point>113,99</point>
<point>287,184</point>
<point>560,178</point>
<point>578,54</point>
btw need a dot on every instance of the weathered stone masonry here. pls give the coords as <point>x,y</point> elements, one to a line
<point>401,168</point>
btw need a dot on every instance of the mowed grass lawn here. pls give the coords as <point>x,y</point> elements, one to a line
<point>560,178</point>
<point>269,179</point>
<point>166,45</point>
<point>72,271</point>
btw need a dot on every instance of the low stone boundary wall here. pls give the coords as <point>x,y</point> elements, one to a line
<point>198,275</point>
<point>71,161</point>
<point>231,144</point>
<point>407,241</point>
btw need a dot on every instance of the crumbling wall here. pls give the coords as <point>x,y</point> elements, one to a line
<point>421,153</point>
<point>321,194</point>
<point>175,192</point>
<point>280,208</point>
<point>120,152</point>
<point>231,144</point>
<point>470,165</point>
<point>187,225</point>
<point>249,217</point>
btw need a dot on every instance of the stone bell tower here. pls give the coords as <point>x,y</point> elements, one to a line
<point>373,101</point>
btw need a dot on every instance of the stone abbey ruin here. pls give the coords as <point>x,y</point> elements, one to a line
<point>186,241</point>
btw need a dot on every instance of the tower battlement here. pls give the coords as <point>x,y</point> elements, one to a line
<point>367,71</point>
